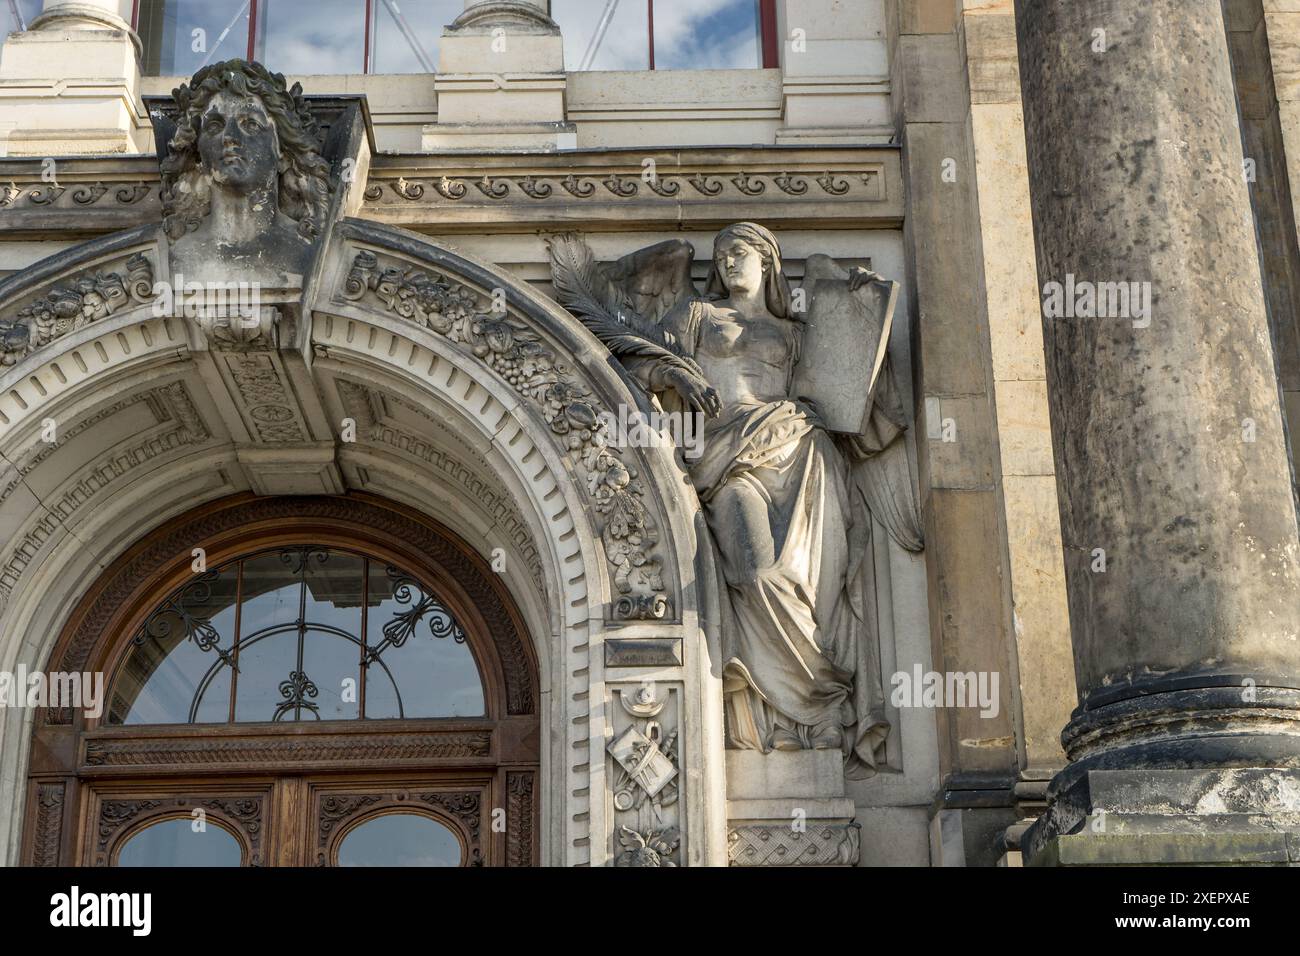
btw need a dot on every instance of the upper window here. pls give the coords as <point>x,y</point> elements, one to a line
<point>299,37</point>
<point>17,15</point>
<point>665,34</point>
<point>296,37</point>
<point>294,634</point>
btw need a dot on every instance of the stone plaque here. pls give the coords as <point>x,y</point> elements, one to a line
<point>844,343</point>
<point>643,652</point>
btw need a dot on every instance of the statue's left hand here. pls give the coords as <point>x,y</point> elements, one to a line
<point>858,277</point>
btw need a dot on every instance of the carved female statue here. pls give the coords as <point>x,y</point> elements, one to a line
<point>244,183</point>
<point>789,521</point>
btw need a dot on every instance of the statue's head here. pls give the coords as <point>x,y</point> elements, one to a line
<point>239,129</point>
<point>747,257</point>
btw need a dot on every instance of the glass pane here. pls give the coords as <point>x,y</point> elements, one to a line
<point>178,668</point>
<point>299,650</point>
<point>272,591</point>
<point>323,36</point>
<point>180,36</point>
<point>174,843</point>
<point>333,598</point>
<point>25,10</point>
<point>420,664</point>
<point>266,663</point>
<point>400,839</point>
<point>707,35</point>
<point>604,34</point>
<point>330,660</point>
<point>405,34</point>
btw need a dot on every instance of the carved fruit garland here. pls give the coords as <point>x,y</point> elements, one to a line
<point>66,308</point>
<point>518,355</point>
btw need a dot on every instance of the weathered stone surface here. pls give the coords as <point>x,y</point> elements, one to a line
<point>1170,452</point>
<point>1172,817</point>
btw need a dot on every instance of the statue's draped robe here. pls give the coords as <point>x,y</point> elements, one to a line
<point>799,636</point>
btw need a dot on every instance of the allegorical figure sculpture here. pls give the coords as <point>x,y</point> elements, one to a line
<point>788,502</point>
<point>244,184</point>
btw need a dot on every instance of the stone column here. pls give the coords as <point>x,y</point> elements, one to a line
<point>81,14</point>
<point>501,81</point>
<point>1178,511</point>
<point>70,84</point>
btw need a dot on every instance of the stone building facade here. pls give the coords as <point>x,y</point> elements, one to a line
<point>1040,566</point>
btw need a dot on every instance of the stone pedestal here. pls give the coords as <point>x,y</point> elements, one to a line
<point>502,59</point>
<point>789,808</point>
<point>70,84</point>
<point>1179,524</point>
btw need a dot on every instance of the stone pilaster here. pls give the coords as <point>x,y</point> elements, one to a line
<point>70,84</point>
<point>1265,39</point>
<point>1178,512</point>
<point>501,81</point>
<point>1040,632</point>
<point>966,531</point>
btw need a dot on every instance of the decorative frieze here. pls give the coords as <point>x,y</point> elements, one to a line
<point>864,182</point>
<point>214,752</point>
<point>73,195</point>
<point>817,844</point>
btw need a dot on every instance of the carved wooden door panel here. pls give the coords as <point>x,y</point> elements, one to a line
<point>438,819</point>
<point>431,822</point>
<point>188,823</point>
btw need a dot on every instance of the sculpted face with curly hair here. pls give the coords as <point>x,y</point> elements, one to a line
<point>244,182</point>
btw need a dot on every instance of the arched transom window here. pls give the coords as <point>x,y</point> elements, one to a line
<point>298,633</point>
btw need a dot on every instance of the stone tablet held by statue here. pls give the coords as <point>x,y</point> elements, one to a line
<point>845,340</point>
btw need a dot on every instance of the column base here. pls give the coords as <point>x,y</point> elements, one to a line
<point>1143,817</point>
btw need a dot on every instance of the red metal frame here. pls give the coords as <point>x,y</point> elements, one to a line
<point>771,47</point>
<point>365,55</point>
<point>252,28</point>
<point>767,31</point>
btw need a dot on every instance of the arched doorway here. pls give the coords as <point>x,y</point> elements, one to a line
<point>292,681</point>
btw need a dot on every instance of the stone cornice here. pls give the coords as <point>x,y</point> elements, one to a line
<point>824,187</point>
<point>697,187</point>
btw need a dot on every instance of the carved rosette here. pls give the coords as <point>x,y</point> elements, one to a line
<point>68,307</point>
<point>518,355</point>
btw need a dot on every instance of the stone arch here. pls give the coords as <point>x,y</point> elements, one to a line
<point>596,558</point>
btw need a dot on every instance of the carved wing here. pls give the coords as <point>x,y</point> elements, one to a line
<point>655,279</point>
<point>608,299</point>
<point>846,369</point>
<point>880,467</point>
